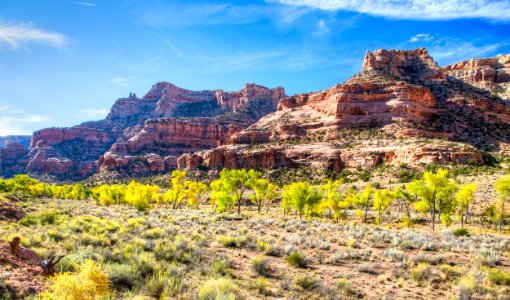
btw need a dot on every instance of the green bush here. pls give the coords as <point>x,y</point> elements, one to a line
<point>261,285</point>
<point>306,282</point>
<point>421,272</point>
<point>260,265</point>
<point>123,276</point>
<point>232,241</point>
<point>344,287</point>
<point>297,260</point>
<point>221,266</point>
<point>461,232</point>
<point>219,289</point>
<point>499,277</point>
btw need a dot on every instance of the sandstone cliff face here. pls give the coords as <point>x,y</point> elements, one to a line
<point>491,74</point>
<point>401,97</point>
<point>412,64</point>
<point>328,156</point>
<point>13,159</point>
<point>401,108</point>
<point>141,136</point>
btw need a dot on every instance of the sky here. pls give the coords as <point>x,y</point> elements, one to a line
<point>65,62</point>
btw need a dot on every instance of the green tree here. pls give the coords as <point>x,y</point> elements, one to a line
<point>503,189</point>
<point>363,201</point>
<point>333,200</point>
<point>264,193</point>
<point>382,200</point>
<point>237,182</point>
<point>464,197</point>
<point>435,192</point>
<point>222,198</point>
<point>176,195</point>
<point>302,197</point>
<point>194,192</point>
<point>405,200</point>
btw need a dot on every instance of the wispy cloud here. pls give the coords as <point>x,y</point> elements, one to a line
<point>94,113</point>
<point>14,121</point>
<point>167,14</point>
<point>415,9</point>
<point>449,50</point>
<point>85,4</point>
<point>120,81</point>
<point>421,37</point>
<point>16,36</point>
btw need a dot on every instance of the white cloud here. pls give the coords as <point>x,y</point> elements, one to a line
<point>85,4</point>
<point>322,27</point>
<point>120,81</point>
<point>421,37</point>
<point>415,9</point>
<point>169,14</point>
<point>449,50</point>
<point>14,121</point>
<point>95,113</point>
<point>17,36</point>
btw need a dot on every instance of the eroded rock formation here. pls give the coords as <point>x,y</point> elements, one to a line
<point>402,95</point>
<point>142,136</point>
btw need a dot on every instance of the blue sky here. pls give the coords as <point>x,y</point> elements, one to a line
<point>65,62</point>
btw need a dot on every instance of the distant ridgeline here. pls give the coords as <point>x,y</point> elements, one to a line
<point>11,139</point>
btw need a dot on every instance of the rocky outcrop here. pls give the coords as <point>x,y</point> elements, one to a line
<point>491,74</point>
<point>156,147</point>
<point>142,136</point>
<point>401,97</point>
<point>369,99</point>
<point>328,156</point>
<point>13,159</point>
<point>404,64</point>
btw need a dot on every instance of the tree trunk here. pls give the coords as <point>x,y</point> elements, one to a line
<point>501,215</point>
<point>433,213</point>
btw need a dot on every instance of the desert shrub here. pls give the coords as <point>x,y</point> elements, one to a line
<point>95,240</point>
<point>6,291</point>
<point>233,241</point>
<point>421,273</point>
<point>141,204</point>
<point>306,282</point>
<point>297,260</point>
<point>42,218</point>
<point>344,287</point>
<point>471,283</point>
<point>145,262</point>
<point>153,233</point>
<point>219,289</point>
<point>55,235</point>
<point>260,265</point>
<point>450,272</point>
<point>88,283</point>
<point>122,276</point>
<point>365,176</point>
<point>267,248</point>
<point>498,276</point>
<point>460,232</point>
<point>222,266</point>
<point>487,257</point>
<point>163,285</point>
<point>261,285</point>
<point>367,268</point>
